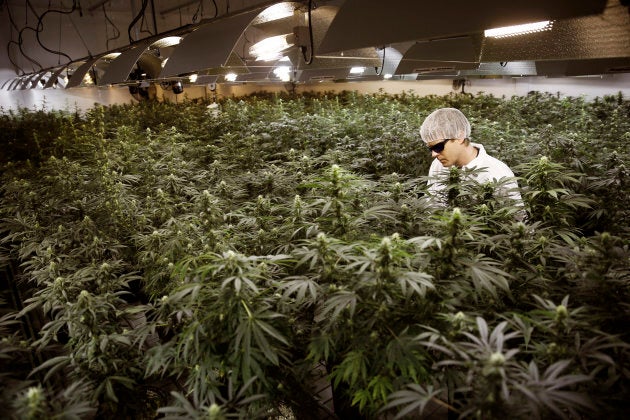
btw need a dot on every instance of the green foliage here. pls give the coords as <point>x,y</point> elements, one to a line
<point>217,254</point>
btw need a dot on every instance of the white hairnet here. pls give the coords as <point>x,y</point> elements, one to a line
<point>445,123</point>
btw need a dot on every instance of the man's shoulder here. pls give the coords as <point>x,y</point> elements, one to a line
<point>498,167</point>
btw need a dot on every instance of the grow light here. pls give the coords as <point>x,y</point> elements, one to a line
<point>283,73</point>
<point>527,28</point>
<point>271,48</point>
<point>275,12</point>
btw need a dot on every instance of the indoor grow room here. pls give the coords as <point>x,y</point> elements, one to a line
<point>276,254</point>
<point>193,261</point>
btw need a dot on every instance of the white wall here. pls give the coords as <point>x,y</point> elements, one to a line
<point>85,98</point>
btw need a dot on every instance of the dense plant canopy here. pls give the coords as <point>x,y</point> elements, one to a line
<point>198,261</point>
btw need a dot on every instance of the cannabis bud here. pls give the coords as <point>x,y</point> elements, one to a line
<point>214,411</point>
<point>561,312</point>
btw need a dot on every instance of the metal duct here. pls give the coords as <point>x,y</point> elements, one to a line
<point>601,36</point>
<point>447,54</point>
<point>512,68</point>
<point>585,67</point>
<point>371,23</point>
<point>323,75</point>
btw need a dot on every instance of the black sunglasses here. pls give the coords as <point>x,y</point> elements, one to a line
<point>439,147</point>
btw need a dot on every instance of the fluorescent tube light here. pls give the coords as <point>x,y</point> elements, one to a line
<point>275,12</point>
<point>527,28</point>
<point>271,48</point>
<point>357,70</point>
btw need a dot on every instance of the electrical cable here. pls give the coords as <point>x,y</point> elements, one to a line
<point>20,69</point>
<point>40,28</point>
<point>116,33</point>
<point>80,37</point>
<point>196,15</point>
<point>21,40</point>
<point>216,9</point>
<point>143,26</point>
<point>136,19</point>
<point>310,35</point>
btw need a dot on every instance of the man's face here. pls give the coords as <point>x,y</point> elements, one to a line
<point>450,152</point>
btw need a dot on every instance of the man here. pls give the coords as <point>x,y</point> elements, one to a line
<point>446,131</point>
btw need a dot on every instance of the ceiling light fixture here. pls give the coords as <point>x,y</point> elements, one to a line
<point>230,77</point>
<point>275,12</point>
<point>283,73</point>
<point>387,76</point>
<point>357,70</point>
<point>193,78</point>
<point>527,28</point>
<point>271,48</point>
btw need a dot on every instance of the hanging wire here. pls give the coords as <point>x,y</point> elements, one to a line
<point>80,37</point>
<point>116,31</point>
<point>21,39</point>
<point>40,28</point>
<point>136,19</point>
<point>13,26</point>
<point>310,36</point>
<point>199,8</point>
<point>144,27</point>
<point>216,9</point>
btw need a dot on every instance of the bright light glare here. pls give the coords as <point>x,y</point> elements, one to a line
<point>387,76</point>
<point>87,79</point>
<point>193,78</point>
<point>168,41</point>
<point>230,77</point>
<point>270,48</point>
<point>357,70</point>
<point>110,56</point>
<point>275,12</point>
<point>527,28</point>
<point>283,73</point>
